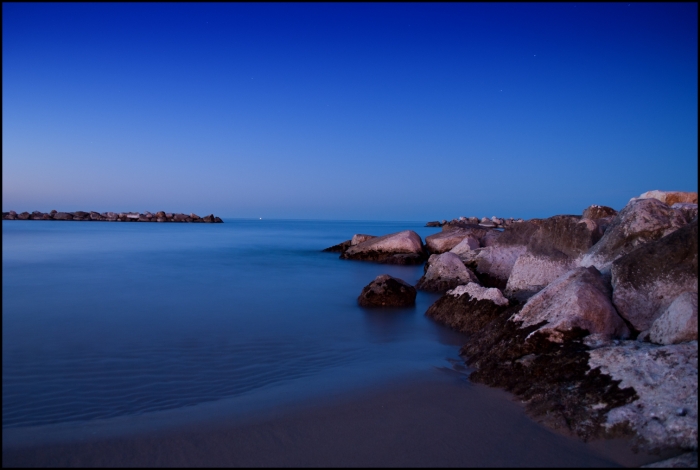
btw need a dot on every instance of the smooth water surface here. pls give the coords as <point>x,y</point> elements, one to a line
<point>108,319</point>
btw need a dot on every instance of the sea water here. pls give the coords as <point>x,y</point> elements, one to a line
<point>109,319</point>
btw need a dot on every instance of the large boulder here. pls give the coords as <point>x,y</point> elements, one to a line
<point>598,212</point>
<point>665,379</point>
<point>689,211</point>
<point>404,247</point>
<point>359,238</point>
<point>555,248</point>
<point>62,216</point>
<point>444,241</point>
<point>670,197</point>
<point>579,298</point>
<point>639,222</point>
<point>387,291</point>
<point>468,243</point>
<point>679,323</point>
<point>443,272</point>
<point>646,280</point>
<point>468,308</point>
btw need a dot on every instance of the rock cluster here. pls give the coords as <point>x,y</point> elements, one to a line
<point>111,216</point>
<point>405,247</point>
<point>488,222</point>
<point>599,336</point>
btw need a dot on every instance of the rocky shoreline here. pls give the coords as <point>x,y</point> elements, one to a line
<point>591,319</point>
<point>93,216</point>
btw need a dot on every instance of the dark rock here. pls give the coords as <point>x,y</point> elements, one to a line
<point>646,280</point>
<point>160,214</point>
<point>62,216</point>
<point>387,291</point>
<point>23,216</point>
<point>208,218</point>
<point>218,220</point>
<point>340,247</point>
<point>598,212</point>
<point>433,224</point>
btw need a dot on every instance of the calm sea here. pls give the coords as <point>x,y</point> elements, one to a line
<point>104,319</point>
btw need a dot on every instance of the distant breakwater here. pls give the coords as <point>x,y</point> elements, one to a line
<point>112,216</point>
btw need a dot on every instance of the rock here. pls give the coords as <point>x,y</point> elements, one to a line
<point>556,247</point>
<point>161,219</point>
<point>433,224</point>
<point>469,308</point>
<point>670,197</point>
<point>218,220</point>
<point>143,218</point>
<point>208,218</point>
<point>497,220</point>
<point>646,280</point>
<point>133,215</point>
<point>686,460</point>
<point>689,211</point>
<point>494,264</point>
<point>579,298</point>
<point>359,238</point>
<point>478,292</point>
<point>444,241</point>
<point>81,215</point>
<point>404,247</point>
<point>62,216</point>
<point>179,217</point>
<point>678,323</point>
<point>339,248</point>
<point>531,273</point>
<point>443,272</point>
<point>665,378</point>
<point>160,214</point>
<point>53,212</point>
<point>487,224</point>
<point>490,237</point>
<point>387,291</point>
<point>639,222</point>
<point>95,216</point>
<point>23,216</point>
<point>111,216</point>
<point>194,216</point>
<point>468,243</point>
<point>598,212</point>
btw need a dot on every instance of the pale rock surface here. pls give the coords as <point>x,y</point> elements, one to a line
<point>666,380</point>
<point>446,240</point>
<point>579,298</point>
<point>406,241</point>
<point>359,238</point>
<point>444,272</point>
<point>646,280</point>
<point>468,243</point>
<point>670,197</point>
<point>532,273</point>
<point>639,222</point>
<point>498,261</point>
<point>679,323</point>
<point>689,211</point>
<point>479,293</point>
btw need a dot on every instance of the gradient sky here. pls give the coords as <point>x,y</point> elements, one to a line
<point>347,111</point>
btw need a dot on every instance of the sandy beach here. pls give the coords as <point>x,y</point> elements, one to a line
<point>437,419</point>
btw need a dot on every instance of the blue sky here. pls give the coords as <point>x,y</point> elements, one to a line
<point>347,111</point>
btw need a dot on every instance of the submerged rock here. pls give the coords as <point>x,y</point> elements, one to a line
<point>387,291</point>
<point>443,272</point>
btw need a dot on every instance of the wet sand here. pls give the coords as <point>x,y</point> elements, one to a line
<point>438,419</point>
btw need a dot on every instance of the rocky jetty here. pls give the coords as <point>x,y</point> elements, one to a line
<point>387,291</point>
<point>590,319</point>
<point>599,334</point>
<point>112,216</point>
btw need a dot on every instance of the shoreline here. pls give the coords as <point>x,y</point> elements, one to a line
<point>436,419</point>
